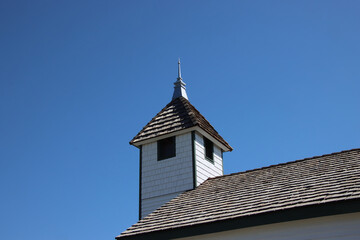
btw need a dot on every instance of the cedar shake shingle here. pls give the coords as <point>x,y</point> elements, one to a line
<point>307,182</point>
<point>179,114</point>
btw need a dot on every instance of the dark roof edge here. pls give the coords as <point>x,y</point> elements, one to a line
<point>185,130</point>
<point>223,142</point>
<point>285,163</point>
<point>291,214</point>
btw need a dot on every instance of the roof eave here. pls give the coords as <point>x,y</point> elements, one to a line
<point>162,136</point>
<point>295,213</point>
<point>183,131</point>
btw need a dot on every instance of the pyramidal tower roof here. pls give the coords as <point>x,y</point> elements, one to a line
<point>177,115</point>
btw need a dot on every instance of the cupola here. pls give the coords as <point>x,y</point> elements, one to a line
<point>179,149</point>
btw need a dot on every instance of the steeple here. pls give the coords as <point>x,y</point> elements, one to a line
<point>179,150</point>
<point>179,88</point>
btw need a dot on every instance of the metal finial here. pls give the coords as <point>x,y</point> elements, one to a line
<point>179,70</point>
<point>179,88</point>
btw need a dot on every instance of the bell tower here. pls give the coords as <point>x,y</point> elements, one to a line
<point>179,149</point>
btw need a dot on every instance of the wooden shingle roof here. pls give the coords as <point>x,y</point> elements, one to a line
<point>308,182</point>
<point>179,114</point>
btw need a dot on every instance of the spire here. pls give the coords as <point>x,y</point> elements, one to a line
<point>179,88</point>
<point>179,70</point>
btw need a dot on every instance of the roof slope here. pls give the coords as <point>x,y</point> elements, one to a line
<point>179,114</point>
<point>310,181</point>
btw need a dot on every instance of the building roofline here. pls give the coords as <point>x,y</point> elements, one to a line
<point>284,215</point>
<point>277,209</point>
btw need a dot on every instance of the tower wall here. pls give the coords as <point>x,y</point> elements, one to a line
<point>163,180</point>
<point>205,168</point>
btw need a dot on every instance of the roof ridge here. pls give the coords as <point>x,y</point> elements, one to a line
<point>280,164</point>
<point>198,115</point>
<point>189,111</point>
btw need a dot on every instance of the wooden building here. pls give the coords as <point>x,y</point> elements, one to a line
<point>184,194</point>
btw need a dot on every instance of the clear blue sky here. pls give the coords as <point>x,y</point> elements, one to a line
<point>279,80</point>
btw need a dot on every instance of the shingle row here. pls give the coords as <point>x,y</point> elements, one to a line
<point>304,182</point>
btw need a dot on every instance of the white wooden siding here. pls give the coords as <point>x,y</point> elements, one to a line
<point>344,227</point>
<point>205,168</point>
<point>168,177</point>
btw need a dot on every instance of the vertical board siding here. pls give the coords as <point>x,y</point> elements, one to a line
<point>205,168</point>
<point>344,227</point>
<point>163,180</point>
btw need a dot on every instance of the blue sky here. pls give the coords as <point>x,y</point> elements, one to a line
<point>279,80</point>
